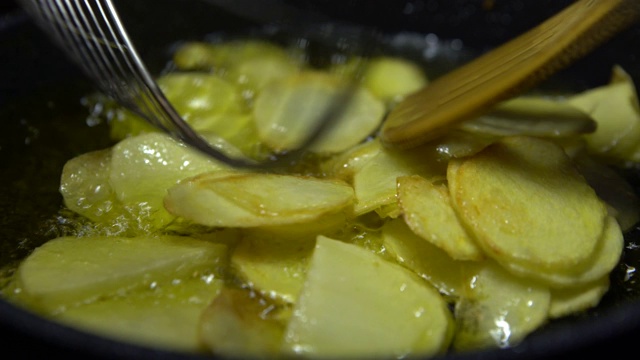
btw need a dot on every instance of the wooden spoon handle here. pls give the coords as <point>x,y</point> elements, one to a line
<point>506,71</point>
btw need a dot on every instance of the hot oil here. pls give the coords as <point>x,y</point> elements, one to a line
<point>41,132</point>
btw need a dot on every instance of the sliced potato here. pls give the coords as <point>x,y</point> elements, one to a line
<point>602,261</point>
<point>256,73</point>
<point>145,166</point>
<point>251,200</point>
<point>498,309</point>
<point>375,182</point>
<point>69,270</point>
<point>616,110</point>
<point>355,304</point>
<point>165,316</point>
<point>205,101</point>
<point>459,144</point>
<point>391,78</point>
<point>287,112</point>
<point>533,116</point>
<point>85,188</point>
<point>576,299</point>
<point>527,205</point>
<point>240,324</point>
<point>273,266</point>
<point>427,210</point>
<point>345,165</point>
<point>219,57</point>
<point>425,259</point>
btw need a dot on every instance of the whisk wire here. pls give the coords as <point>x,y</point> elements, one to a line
<point>94,37</point>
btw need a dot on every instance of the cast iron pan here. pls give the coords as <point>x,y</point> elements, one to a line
<point>43,124</point>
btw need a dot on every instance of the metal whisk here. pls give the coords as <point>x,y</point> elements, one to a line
<point>93,35</point>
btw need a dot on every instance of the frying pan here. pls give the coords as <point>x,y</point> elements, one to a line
<point>43,124</point>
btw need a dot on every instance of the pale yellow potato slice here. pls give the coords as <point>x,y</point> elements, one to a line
<point>287,111</point>
<point>572,300</point>
<point>602,261</point>
<point>251,200</point>
<point>533,116</point>
<point>69,270</point>
<point>206,101</point>
<point>392,78</point>
<point>256,73</point>
<point>165,317</point>
<point>356,304</point>
<point>458,144</point>
<point>345,165</point>
<point>85,188</point>
<point>527,205</point>
<point>274,266</point>
<point>425,259</point>
<point>240,324</point>
<point>144,167</point>
<point>498,309</point>
<point>615,108</point>
<point>426,208</point>
<point>221,57</point>
<point>375,181</point>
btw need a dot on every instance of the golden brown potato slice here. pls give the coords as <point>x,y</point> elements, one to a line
<point>251,200</point>
<point>498,309</point>
<point>527,205</point>
<point>427,210</point>
<point>241,324</point>
<point>601,262</point>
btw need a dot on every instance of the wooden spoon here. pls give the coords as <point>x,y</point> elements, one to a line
<point>516,66</point>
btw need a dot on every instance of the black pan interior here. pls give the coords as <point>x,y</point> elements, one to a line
<point>42,120</point>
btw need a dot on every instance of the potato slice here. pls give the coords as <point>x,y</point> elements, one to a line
<point>498,309</point>
<point>527,205</point>
<point>205,101</point>
<point>251,200</point>
<point>427,210</point>
<point>287,111</point>
<point>391,78</point>
<point>575,299</point>
<point>615,108</point>
<point>425,259</point>
<point>601,262</point>
<point>345,165</point>
<point>145,166</point>
<point>533,116</point>
<point>85,188</point>
<point>355,304</point>
<point>221,57</point>
<point>375,182</point>
<point>240,324</point>
<point>69,270</point>
<point>273,266</point>
<point>164,316</point>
